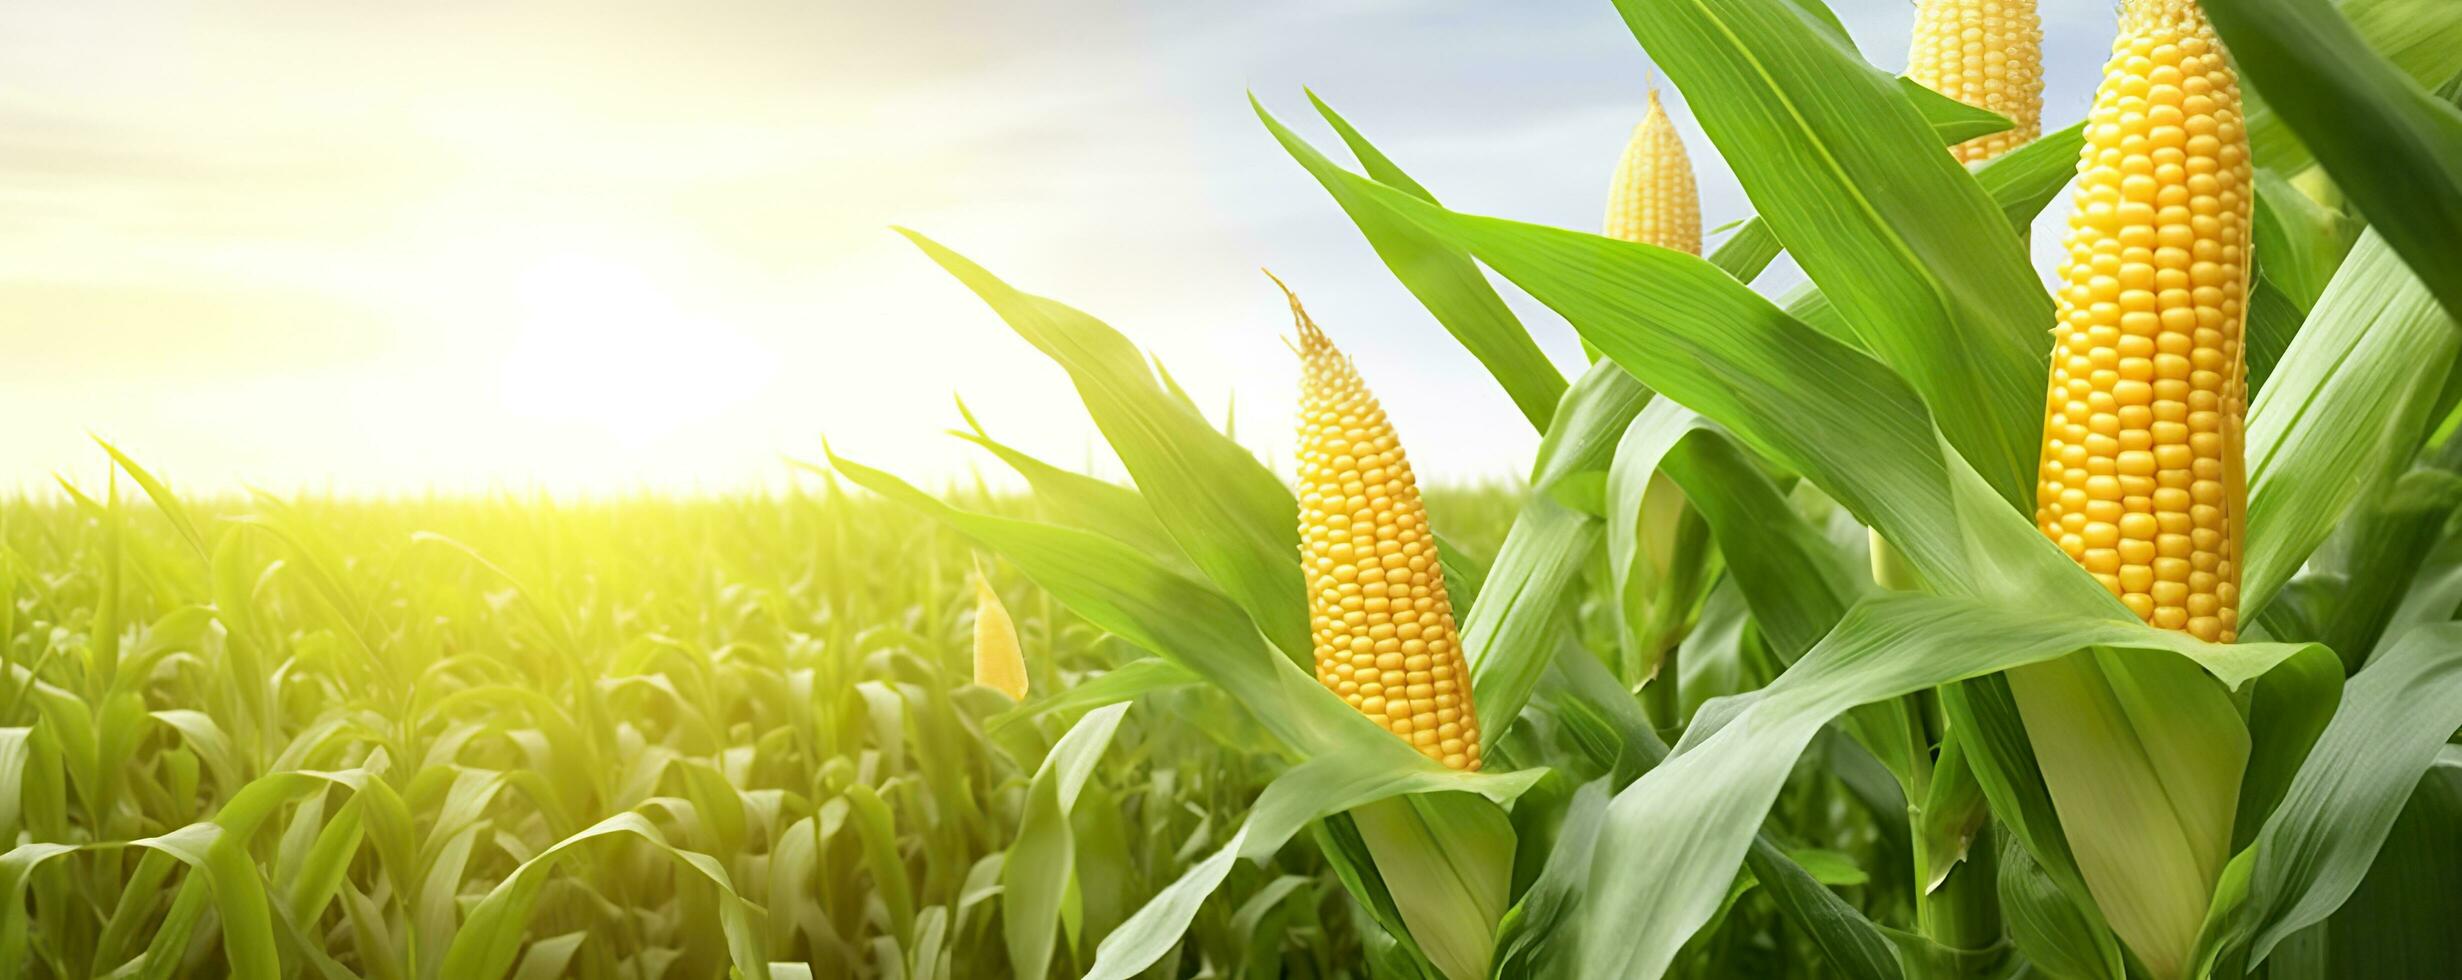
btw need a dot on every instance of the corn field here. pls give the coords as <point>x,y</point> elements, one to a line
<point>1944,616</point>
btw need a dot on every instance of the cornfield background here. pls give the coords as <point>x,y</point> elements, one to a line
<point>641,714</point>
<point>1801,652</point>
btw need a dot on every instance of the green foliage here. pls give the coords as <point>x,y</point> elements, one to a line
<point>634,737</point>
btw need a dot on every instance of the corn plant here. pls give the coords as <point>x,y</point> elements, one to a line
<point>2154,675</point>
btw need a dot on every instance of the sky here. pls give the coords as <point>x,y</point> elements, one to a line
<point>470,245</point>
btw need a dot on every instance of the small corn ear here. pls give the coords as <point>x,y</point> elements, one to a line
<point>1987,54</point>
<point>1000,663</point>
<point>2142,477</point>
<point>1655,201</point>
<point>1384,631</point>
<point>1652,199</point>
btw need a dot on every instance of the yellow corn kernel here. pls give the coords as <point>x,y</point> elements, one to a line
<point>1987,54</point>
<point>1652,199</point>
<point>1384,630</point>
<point>2142,479</point>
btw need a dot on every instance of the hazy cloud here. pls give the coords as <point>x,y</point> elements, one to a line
<point>211,216</point>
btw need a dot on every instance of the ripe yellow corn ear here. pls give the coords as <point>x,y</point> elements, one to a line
<point>1385,636</point>
<point>1000,664</point>
<point>1653,199</point>
<point>1987,54</point>
<point>2142,479</point>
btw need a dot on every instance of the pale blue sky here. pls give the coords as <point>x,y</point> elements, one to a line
<point>602,245</point>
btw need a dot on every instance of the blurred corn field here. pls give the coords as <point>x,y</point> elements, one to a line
<point>439,739</point>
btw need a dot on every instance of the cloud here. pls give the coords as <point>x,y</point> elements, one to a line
<point>341,201</point>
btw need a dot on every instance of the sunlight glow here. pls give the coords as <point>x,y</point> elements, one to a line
<point>602,345</point>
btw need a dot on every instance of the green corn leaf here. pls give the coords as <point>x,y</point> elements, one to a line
<point>2423,38</point>
<point>1852,942</point>
<point>2398,922</point>
<point>135,913</point>
<point>2287,709</point>
<point>17,865</point>
<point>2298,241</point>
<point>1508,636</point>
<point>1137,678</point>
<point>164,499</point>
<point>1899,236</point>
<point>1694,334</point>
<point>1132,596</point>
<point>326,864</point>
<point>2058,935</point>
<point>1953,811</point>
<point>15,748</point>
<point>2024,181</point>
<point>1798,584</point>
<point>547,958</point>
<point>2343,412</point>
<point>489,938</point>
<point>1076,499</point>
<point>1447,860</point>
<point>1443,278</point>
<point>718,803</point>
<point>436,901</point>
<point>1337,837</point>
<point>2395,149</point>
<point>2318,845</point>
<point>2435,595</point>
<point>1036,873</point>
<point>2378,550</point>
<point>1261,919</point>
<point>1324,785</point>
<point>206,738</point>
<point>223,875</point>
<point>2273,320</point>
<point>1952,121</point>
<point>1688,822</point>
<point>1232,517</point>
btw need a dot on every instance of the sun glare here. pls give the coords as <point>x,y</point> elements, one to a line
<point>605,347</point>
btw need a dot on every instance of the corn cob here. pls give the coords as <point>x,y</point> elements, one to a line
<point>2142,479</point>
<point>1000,664</point>
<point>1383,627</point>
<point>1987,54</point>
<point>1652,199</point>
